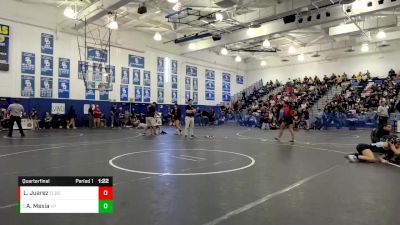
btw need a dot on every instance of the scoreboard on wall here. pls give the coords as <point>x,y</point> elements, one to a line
<point>4,47</point>
<point>65,195</point>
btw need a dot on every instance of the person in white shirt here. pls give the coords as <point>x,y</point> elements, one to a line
<point>15,110</point>
<point>383,113</point>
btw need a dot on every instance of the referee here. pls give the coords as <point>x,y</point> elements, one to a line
<point>15,110</point>
<point>189,118</point>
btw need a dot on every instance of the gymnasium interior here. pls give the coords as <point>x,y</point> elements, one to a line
<point>199,112</point>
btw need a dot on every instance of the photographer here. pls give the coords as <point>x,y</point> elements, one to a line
<point>377,152</point>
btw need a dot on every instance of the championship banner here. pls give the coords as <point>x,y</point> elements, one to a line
<point>95,54</point>
<point>187,96</point>
<point>97,72</point>
<point>210,85</point>
<point>82,68</point>
<point>191,71</point>
<point>226,77</point>
<point>210,95</point>
<point>195,98</point>
<point>136,61</point>
<point>136,77</point>
<point>64,67</point>
<point>63,88</point>
<point>111,73</point>
<point>47,44</point>
<point>58,108</point>
<point>210,74</point>
<point>28,63</point>
<point>160,95</point>
<point>124,75</point>
<point>174,96</point>
<point>124,93</point>
<point>239,79</point>
<point>4,47</point>
<point>174,82</point>
<point>187,84</point>
<point>174,67</point>
<point>226,86</point>
<point>138,94</point>
<point>226,96</point>
<point>195,84</point>
<point>160,80</point>
<point>46,87</point>
<point>160,65</point>
<point>103,95</point>
<point>146,94</point>
<point>90,92</point>
<point>27,86</point>
<point>146,78</point>
<point>46,65</point>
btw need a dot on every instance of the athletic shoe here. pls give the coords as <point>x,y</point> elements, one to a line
<point>278,139</point>
<point>192,136</point>
<point>352,158</point>
<point>292,141</point>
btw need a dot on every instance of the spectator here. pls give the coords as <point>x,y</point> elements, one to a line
<point>48,121</point>
<point>97,115</point>
<point>90,116</point>
<point>383,113</point>
<point>34,118</point>
<point>71,118</point>
<point>114,116</point>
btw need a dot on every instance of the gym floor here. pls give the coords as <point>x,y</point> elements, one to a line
<point>241,177</point>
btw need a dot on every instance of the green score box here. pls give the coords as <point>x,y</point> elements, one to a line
<point>105,206</point>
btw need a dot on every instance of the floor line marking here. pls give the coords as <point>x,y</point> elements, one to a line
<point>177,157</point>
<point>194,157</point>
<point>268,197</point>
<point>9,206</point>
<point>28,151</point>
<point>392,164</point>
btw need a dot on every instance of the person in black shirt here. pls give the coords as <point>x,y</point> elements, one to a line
<point>150,120</point>
<point>90,116</point>
<point>176,117</point>
<point>114,116</point>
<point>378,134</point>
<point>71,118</point>
<point>189,118</point>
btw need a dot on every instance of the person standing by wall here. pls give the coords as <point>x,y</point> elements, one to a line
<point>71,116</point>
<point>15,110</point>
<point>189,118</point>
<point>97,115</point>
<point>114,116</point>
<point>34,118</point>
<point>287,122</point>
<point>90,116</point>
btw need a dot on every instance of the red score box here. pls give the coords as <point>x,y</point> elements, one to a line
<point>105,193</point>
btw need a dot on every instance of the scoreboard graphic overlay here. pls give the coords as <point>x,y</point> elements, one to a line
<point>65,195</point>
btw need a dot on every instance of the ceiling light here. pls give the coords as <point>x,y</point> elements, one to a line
<point>157,36</point>
<point>177,6</point>
<point>173,1</point>
<point>381,34</point>
<point>263,63</point>
<point>251,31</point>
<point>291,50</point>
<point>300,57</point>
<point>219,17</point>
<point>266,43</point>
<point>192,46</point>
<point>365,47</point>
<point>359,5</point>
<point>69,12</point>
<point>224,51</point>
<point>113,25</point>
<point>238,59</point>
